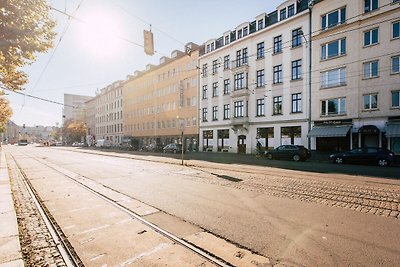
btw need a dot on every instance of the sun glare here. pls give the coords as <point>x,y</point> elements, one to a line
<point>100,34</point>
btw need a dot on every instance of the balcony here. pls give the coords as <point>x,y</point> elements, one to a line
<point>239,121</point>
<point>244,91</point>
<point>240,65</point>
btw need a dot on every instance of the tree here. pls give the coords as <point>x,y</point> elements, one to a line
<point>5,112</point>
<point>25,29</point>
<point>74,131</point>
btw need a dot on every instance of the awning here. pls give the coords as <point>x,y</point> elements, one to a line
<point>329,131</point>
<point>393,130</point>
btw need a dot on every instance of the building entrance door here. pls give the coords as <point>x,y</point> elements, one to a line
<point>241,144</point>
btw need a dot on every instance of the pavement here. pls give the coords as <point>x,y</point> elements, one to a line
<point>10,250</point>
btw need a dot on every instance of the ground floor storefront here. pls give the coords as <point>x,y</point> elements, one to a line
<point>243,139</point>
<point>157,143</point>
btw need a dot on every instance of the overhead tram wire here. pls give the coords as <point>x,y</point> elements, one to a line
<point>55,49</point>
<point>85,22</point>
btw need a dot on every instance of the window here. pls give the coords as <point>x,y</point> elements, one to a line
<point>371,101</point>
<point>226,62</point>
<point>245,31</point>
<point>260,107</point>
<point>260,50</point>
<point>204,91</point>
<point>239,34</point>
<point>239,107</point>
<point>370,5</point>
<point>204,114</point>
<point>296,37</point>
<point>260,78</point>
<point>214,66</point>
<point>296,103</point>
<point>260,24</point>
<point>204,70</point>
<point>335,106</point>
<point>395,99</point>
<point>333,49</point>
<point>396,29</point>
<point>227,114</point>
<point>282,14</point>
<point>226,39</point>
<point>296,69</point>
<point>395,64</point>
<point>239,81</point>
<point>241,57</point>
<point>278,74</point>
<point>215,89</point>
<point>331,78</point>
<point>278,44</point>
<point>333,18</point>
<point>215,113</point>
<point>226,86</point>
<point>290,11</point>
<point>371,37</point>
<point>277,108</point>
<point>371,69</point>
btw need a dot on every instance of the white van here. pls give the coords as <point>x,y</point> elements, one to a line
<point>103,143</point>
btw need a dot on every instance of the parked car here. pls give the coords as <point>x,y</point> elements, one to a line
<point>103,143</point>
<point>366,155</point>
<point>293,152</point>
<point>58,143</point>
<point>172,148</point>
<point>23,142</point>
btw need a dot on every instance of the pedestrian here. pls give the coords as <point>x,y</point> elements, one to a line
<point>258,149</point>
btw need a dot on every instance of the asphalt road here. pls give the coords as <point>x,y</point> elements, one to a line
<point>292,217</point>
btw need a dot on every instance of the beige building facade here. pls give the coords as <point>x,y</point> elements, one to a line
<point>355,75</point>
<point>252,83</point>
<point>109,115</point>
<point>161,102</point>
<point>74,107</point>
<point>90,121</point>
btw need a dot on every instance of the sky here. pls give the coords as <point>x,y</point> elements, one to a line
<point>92,53</point>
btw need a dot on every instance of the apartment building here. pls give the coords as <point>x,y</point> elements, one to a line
<point>74,107</point>
<point>90,121</point>
<point>109,115</point>
<point>252,83</point>
<point>355,75</point>
<point>160,103</point>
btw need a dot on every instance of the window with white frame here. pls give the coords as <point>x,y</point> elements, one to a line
<point>333,18</point>
<point>277,105</point>
<point>204,117</point>
<point>296,103</point>
<point>215,113</point>
<point>335,77</point>
<point>370,101</point>
<point>239,109</point>
<point>260,78</point>
<point>395,64</point>
<point>226,62</point>
<point>370,69</point>
<point>214,66</point>
<point>395,99</point>
<point>260,50</point>
<point>260,107</point>
<point>296,37</point>
<point>227,114</point>
<point>371,37</point>
<point>239,81</point>
<point>277,77</point>
<point>215,89</point>
<point>204,71</point>
<point>204,91</point>
<point>260,24</point>
<point>296,69</point>
<point>370,5</point>
<point>227,40</point>
<point>282,14</point>
<point>396,30</point>
<point>333,49</point>
<point>226,86</point>
<point>336,106</point>
<point>290,11</point>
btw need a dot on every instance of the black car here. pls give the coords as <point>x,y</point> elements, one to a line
<point>293,152</point>
<point>366,155</point>
<point>172,148</point>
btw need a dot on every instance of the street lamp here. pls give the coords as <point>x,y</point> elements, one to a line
<point>181,128</point>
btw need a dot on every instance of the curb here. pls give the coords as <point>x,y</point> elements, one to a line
<point>10,249</point>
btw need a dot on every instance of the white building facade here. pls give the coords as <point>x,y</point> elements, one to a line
<point>253,85</point>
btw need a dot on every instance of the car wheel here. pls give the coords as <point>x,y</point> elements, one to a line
<point>296,157</point>
<point>339,160</point>
<point>269,156</point>
<point>382,162</point>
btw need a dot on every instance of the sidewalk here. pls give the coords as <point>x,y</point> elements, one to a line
<point>10,250</point>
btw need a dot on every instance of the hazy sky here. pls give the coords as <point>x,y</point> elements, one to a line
<point>90,55</point>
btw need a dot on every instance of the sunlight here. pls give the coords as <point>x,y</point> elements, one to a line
<point>100,34</point>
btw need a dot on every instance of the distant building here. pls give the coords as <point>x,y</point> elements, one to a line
<point>162,101</point>
<point>108,116</point>
<point>74,107</point>
<point>90,120</point>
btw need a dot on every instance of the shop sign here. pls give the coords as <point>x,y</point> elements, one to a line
<point>333,122</point>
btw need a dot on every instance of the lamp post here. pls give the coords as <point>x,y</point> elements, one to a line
<point>181,128</point>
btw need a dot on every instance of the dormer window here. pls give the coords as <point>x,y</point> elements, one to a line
<point>282,14</point>
<point>245,31</point>
<point>208,48</point>
<point>260,24</point>
<point>290,11</point>
<point>212,46</point>
<point>240,34</point>
<point>226,39</point>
